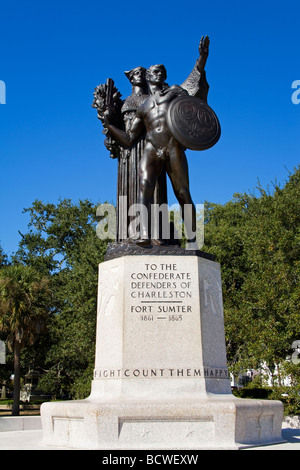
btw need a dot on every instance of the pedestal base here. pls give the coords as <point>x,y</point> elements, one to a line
<point>212,423</point>
<point>161,379</point>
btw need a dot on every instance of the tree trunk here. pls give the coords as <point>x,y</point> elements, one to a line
<point>279,375</point>
<point>17,376</point>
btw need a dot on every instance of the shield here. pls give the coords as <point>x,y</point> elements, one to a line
<point>193,123</point>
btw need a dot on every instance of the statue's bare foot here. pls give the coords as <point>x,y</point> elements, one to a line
<point>158,242</point>
<point>144,242</point>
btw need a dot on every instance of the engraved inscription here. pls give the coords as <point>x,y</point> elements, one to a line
<point>193,123</point>
<point>146,373</point>
<point>160,291</point>
<point>196,122</point>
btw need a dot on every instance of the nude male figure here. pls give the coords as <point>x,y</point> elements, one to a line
<point>161,150</point>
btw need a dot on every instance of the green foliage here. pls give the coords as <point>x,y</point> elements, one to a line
<point>24,311</point>
<point>23,303</point>
<point>255,393</point>
<point>289,397</point>
<point>62,241</point>
<point>256,239</point>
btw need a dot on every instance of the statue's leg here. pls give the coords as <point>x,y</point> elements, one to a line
<point>150,168</point>
<point>177,169</point>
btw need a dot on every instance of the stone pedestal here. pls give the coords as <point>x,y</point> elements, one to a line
<point>161,379</point>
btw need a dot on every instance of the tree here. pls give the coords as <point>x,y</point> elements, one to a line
<point>224,236</point>
<point>272,288</point>
<point>3,258</point>
<point>256,240</point>
<point>62,242</point>
<point>24,296</point>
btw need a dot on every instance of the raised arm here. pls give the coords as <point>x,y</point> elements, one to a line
<point>196,84</point>
<point>203,53</point>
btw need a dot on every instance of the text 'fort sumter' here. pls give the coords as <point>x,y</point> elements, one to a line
<point>160,291</point>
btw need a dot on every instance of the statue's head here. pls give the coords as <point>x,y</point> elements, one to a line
<point>136,76</point>
<point>156,74</point>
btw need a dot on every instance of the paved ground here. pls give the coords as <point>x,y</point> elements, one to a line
<point>32,440</point>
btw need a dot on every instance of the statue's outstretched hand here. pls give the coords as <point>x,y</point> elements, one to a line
<point>203,46</point>
<point>107,115</point>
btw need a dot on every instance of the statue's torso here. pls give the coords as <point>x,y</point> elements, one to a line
<point>154,113</point>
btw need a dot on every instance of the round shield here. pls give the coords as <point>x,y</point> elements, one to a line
<point>193,123</point>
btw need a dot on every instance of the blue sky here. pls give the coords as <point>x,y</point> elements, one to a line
<point>53,55</point>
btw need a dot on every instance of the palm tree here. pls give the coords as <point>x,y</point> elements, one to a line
<point>23,312</point>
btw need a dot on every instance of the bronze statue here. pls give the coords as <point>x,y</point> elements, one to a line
<point>128,168</point>
<point>159,122</point>
<point>129,165</point>
<point>128,158</point>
